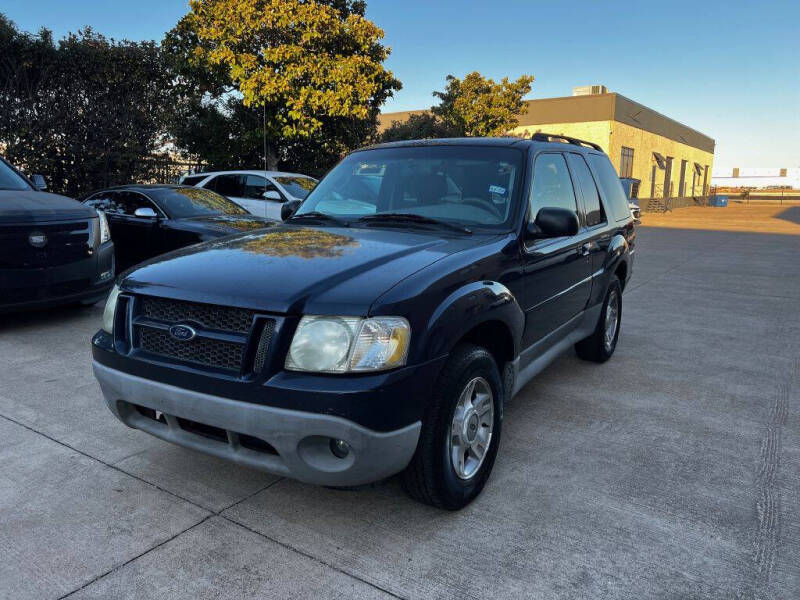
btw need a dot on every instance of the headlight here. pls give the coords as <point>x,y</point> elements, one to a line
<point>349,344</point>
<point>105,232</point>
<point>108,313</point>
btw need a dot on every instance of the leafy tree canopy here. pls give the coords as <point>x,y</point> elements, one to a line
<point>420,126</point>
<point>307,73</point>
<point>474,106</point>
<point>480,107</point>
<point>86,111</point>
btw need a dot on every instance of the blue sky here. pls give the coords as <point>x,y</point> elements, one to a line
<point>728,69</point>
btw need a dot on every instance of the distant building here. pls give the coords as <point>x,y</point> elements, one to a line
<point>668,158</point>
<point>759,178</point>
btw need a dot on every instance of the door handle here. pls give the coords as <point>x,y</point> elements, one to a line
<point>586,248</point>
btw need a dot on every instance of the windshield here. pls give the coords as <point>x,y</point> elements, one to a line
<point>181,203</point>
<point>10,180</point>
<point>299,187</point>
<point>472,186</point>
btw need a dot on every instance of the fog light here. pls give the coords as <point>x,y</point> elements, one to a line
<point>340,448</point>
<point>105,275</point>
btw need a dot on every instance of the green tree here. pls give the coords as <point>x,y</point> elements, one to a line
<point>420,127</point>
<point>307,75</point>
<point>474,106</point>
<point>87,111</point>
<point>478,106</point>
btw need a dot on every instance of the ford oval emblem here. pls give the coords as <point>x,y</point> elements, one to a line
<point>183,333</point>
<point>37,239</point>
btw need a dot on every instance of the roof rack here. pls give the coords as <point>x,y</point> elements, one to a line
<point>552,137</point>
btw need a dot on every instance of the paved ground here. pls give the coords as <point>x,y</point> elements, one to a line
<point>673,471</point>
<point>766,217</point>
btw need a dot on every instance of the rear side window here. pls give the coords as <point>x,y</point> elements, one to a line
<point>612,190</point>
<point>591,197</point>
<point>227,185</point>
<point>552,186</point>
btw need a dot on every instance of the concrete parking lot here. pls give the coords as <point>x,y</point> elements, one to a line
<point>673,471</point>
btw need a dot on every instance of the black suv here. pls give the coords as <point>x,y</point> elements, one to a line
<point>53,250</point>
<point>383,325</point>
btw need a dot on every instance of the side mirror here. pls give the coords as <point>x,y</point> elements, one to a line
<point>273,195</point>
<point>39,182</point>
<point>145,213</point>
<point>289,208</point>
<point>554,222</point>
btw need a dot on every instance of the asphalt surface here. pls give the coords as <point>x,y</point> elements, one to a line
<point>672,471</point>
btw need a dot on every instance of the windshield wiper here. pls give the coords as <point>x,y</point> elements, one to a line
<point>414,219</point>
<point>315,214</point>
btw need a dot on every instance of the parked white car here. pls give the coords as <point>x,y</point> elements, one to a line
<point>260,193</point>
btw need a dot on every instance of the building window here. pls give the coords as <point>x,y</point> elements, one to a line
<point>626,163</point>
<point>682,180</point>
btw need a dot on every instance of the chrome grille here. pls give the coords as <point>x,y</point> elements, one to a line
<point>210,316</point>
<point>203,351</point>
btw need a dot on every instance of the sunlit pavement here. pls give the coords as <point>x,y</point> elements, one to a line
<point>673,471</point>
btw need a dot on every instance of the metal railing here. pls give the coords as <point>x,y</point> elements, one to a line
<point>667,204</point>
<point>783,196</point>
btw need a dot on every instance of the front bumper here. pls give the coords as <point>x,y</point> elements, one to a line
<point>293,443</point>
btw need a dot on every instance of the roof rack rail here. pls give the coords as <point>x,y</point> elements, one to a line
<point>552,137</point>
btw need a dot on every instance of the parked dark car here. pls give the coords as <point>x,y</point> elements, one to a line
<point>148,220</point>
<point>381,328</point>
<point>53,250</point>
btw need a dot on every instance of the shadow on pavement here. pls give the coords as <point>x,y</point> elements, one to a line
<point>791,214</point>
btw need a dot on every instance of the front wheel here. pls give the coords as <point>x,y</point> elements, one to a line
<point>599,346</point>
<point>460,432</point>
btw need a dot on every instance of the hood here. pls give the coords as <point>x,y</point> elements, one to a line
<point>295,269</point>
<point>30,206</point>
<point>223,224</point>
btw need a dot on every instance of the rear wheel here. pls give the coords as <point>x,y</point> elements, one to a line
<point>599,346</point>
<point>460,432</point>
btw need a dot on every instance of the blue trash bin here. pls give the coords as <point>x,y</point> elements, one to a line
<point>717,200</point>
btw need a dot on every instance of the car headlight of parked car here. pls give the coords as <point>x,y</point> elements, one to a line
<point>349,344</point>
<point>108,312</point>
<point>105,231</point>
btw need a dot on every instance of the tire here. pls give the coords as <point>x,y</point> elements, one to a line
<point>595,347</point>
<point>431,477</point>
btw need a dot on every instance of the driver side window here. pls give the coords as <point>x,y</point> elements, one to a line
<point>129,202</point>
<point>255,186</point>
<point>552,185</point>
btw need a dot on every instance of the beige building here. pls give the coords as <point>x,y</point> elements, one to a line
<point>668,158</point>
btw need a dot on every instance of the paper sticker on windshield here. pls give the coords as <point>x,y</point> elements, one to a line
<point>496,189</point>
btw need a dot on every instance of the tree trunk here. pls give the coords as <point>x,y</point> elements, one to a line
<point>272,158</point>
